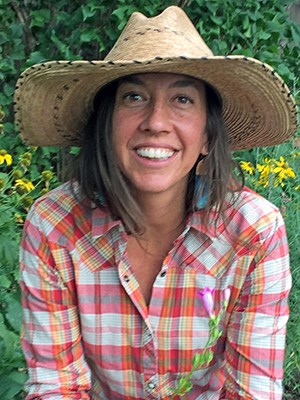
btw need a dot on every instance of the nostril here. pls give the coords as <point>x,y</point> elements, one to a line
<point>156,121</point>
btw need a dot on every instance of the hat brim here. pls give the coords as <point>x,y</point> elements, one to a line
<point>54,100</point>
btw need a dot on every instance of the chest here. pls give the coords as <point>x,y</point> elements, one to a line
<point>146,263</point>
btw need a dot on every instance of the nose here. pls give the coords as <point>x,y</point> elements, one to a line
<point>157,118</point>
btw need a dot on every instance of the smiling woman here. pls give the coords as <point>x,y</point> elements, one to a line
<point>153,273</point>
<point>195,120</point>
<point>156,115</point>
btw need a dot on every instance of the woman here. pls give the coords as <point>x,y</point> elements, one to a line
<point>126,268</point>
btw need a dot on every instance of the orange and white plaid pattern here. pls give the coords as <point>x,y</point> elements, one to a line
<point>88,334</point>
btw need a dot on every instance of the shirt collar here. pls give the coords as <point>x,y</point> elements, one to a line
<point>102,222</point>
<point>195,220</point>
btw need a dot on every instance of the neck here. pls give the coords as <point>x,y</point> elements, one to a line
<point>164,215</point>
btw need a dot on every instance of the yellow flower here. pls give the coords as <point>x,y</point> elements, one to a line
<point>2,183</point>
<point>47,175</point>
<point>17,174</point>
<point>24,184</point>
<point>265,170</point>
<point>283,170</point>
<point>248,167</point>
<point>27,201</point>
<point>19,219</point>
<point>27,156</point>
<point>4,156</point>
<point>296,154</point>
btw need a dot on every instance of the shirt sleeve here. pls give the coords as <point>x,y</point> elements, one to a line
<point>257,327</point>
<point>51,337</point>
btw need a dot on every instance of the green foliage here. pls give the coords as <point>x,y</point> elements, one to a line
<point>255,28</point>
<point>34,31</point>
<point>274,172</point>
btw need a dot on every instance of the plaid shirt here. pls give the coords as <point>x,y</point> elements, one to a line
<point>88,333</point>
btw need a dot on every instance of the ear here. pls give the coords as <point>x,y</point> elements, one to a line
<point>204,146</point>
<point>200,169</point>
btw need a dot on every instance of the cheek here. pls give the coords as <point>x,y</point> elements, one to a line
<point>116,137</point>
<point>197,137</point>
<point>122,126</point>
<point>118,131</point>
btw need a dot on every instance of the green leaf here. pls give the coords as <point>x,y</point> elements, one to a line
<point>264,35</point>
<point>5,282</point>
<point>122,14</point>
<point>3,38</point>
<point>8,89</point>
<point>11,384</point>
<point>14,312</point>
<point>8,251</point>
<point>16,30</point>
<point>74,150</point>
<point>246,22</point>
<point>8,127</point>
<point>36,57</point>
<point>39,17</point>
<point>216,20</point>
<point>87,12</point>
<point>88,35</point>
<point>9,341</point>
<point>295,35</point>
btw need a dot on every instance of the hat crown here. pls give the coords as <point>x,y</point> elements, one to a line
<point>168,35</point>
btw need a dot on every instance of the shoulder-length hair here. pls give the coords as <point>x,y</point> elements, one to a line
<point>100,179</point>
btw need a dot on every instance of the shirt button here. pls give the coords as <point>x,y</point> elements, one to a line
<point>151,385</point>
<point>163,274</point>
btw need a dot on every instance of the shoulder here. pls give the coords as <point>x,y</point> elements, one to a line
<point>65,197</point>
<point>252,205</point>
<point>64,211</point>
<point>57,204</point>
<point>250,214</point>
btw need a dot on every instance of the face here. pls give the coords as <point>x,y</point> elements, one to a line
<point>159,130</point>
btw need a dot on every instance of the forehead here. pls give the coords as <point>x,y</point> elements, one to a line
<point>167,79</point>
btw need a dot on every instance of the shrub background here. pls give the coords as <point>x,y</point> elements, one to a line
<point>34,31</point>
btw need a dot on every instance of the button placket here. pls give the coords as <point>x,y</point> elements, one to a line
<point>151,386</point>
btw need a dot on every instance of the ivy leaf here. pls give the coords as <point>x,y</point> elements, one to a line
<point>264,35</point>
<point>8,89</point>
<point>11,384</point>
<point>40,17</point>
<point>216,20</point>
<point>36,57</point>
<point>3,38</point>
<point>87,12</point>
<point>13,311</point>
<point>9,341</point>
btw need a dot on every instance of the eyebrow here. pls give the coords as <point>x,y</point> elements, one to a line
<point>180,83</point>
<point>184,83</point>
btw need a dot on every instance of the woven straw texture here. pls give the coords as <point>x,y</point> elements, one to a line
<point>53,101</point>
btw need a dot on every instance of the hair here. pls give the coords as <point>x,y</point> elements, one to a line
<point>101,180</point>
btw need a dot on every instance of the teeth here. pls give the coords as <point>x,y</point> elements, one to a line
<point>155,153</point>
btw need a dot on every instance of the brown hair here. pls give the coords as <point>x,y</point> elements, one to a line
<point>101,180</point>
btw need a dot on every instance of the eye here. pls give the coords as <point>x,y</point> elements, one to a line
<point>132,97</point>
<point>184,99</point>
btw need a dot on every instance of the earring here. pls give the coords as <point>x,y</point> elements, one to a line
<point>200,169</point>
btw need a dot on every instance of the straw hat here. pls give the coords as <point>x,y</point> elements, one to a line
<point>53,100</point>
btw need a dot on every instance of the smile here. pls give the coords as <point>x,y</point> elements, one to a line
<point>155,153</point>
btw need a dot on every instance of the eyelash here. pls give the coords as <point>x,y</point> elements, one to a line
<point>132,96</point>
<point>187,99</point>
